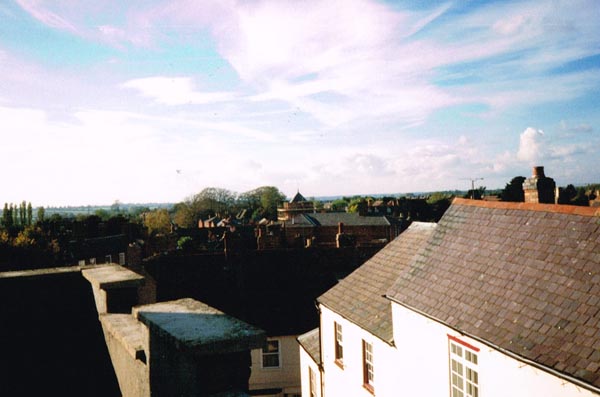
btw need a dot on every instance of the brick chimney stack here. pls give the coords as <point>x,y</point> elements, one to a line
<point>539,188</point>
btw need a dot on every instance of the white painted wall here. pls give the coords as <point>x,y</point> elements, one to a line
<point>306,361</point>
<point>348,382</point>
<point>422,356</point>
<point>287,376</point>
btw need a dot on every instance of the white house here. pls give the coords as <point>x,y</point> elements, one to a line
<point>496,299</point>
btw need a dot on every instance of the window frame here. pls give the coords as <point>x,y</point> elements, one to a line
<point>338,344</point>
<point>312,382</point>
<point>271,354</point>
<point>368,366</point>
<point>463,368</point>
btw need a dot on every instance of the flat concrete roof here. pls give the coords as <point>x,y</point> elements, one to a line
<point>194,326</point>
<point>112,276</point>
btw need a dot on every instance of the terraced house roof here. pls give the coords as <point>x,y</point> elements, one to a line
<point>521,277</point>
<point>360,296</point>
<point>334,218</point>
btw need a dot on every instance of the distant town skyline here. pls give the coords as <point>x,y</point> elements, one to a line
<point>152,102</point>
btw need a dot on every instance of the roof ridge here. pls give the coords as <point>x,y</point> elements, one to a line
<point>555,208</point>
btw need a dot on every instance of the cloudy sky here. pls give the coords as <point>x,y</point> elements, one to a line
<point>153,101</point>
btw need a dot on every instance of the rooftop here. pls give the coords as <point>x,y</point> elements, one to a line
<point>529,277</point>
<point>334,218</point>
<point>360,296</point>
<point>193,325</point>
<point>311,344</point>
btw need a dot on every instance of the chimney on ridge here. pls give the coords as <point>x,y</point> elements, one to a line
<point>539,188</point>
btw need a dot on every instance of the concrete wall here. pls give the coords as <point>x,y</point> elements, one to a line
<point>51,342</point>
<point>286,377</point>
<point>422,363</point>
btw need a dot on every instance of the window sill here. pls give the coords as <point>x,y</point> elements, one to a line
<point>271,368</point>
<point>369,388</point>
<point>339,363</point>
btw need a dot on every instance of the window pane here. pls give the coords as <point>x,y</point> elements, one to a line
<point>272,347</point>
<point>271,360</point>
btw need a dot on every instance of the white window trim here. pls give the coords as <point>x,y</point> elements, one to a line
<point>463,368</point>
<point>262,355</point>
<point>339,341</point>
<point>368,366</point>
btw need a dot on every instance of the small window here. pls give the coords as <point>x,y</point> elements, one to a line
<point>339,343</point>
<point>464,377</point>
<point>368,371</point>
<point>270,354</point>
<point>312,379</point>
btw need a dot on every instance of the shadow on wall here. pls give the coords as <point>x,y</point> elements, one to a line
<point>51,342</point>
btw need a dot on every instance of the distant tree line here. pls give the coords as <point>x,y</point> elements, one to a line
<point>17,214</point>
<point>27,242</point>
<point>252,205</point>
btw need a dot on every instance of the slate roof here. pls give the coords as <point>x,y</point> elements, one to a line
<point>311,344</point>
<point>360,296</point>
<point>521,277</point>
<point>298,198</point>
<point>333,218</point>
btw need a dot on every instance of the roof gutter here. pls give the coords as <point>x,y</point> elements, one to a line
<point>517,357</point>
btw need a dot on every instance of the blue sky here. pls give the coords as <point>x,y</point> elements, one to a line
<point>103,101</point>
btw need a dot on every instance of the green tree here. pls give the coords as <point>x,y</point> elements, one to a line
<point>41,213</point>
<point>581,198</point>
<point>513,191</point>
<point>158,221</point>
<point>339,205</point>
<point>15,215</point>
<point>29,214</point>
<point>567,195</point>
<point>23,213</point>
<point>102,214</point>
<point>6,216</point>
<point>262,202</point>
<point>357,204</point>
<point>476,194</point>
<point>209,202</point>
<point>184,216</point>
<point>185,243</point>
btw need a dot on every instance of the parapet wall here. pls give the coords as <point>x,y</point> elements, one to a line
<point>51,343</point>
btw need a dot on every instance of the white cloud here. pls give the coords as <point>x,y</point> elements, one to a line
<point>175,91</point>
<point>47,17</point>
<point>530,145</point>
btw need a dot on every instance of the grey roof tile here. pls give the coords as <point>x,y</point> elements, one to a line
<point>360,296</point>
<point>334,218</point>
<point>529,279</point>
<point>311,344</point>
